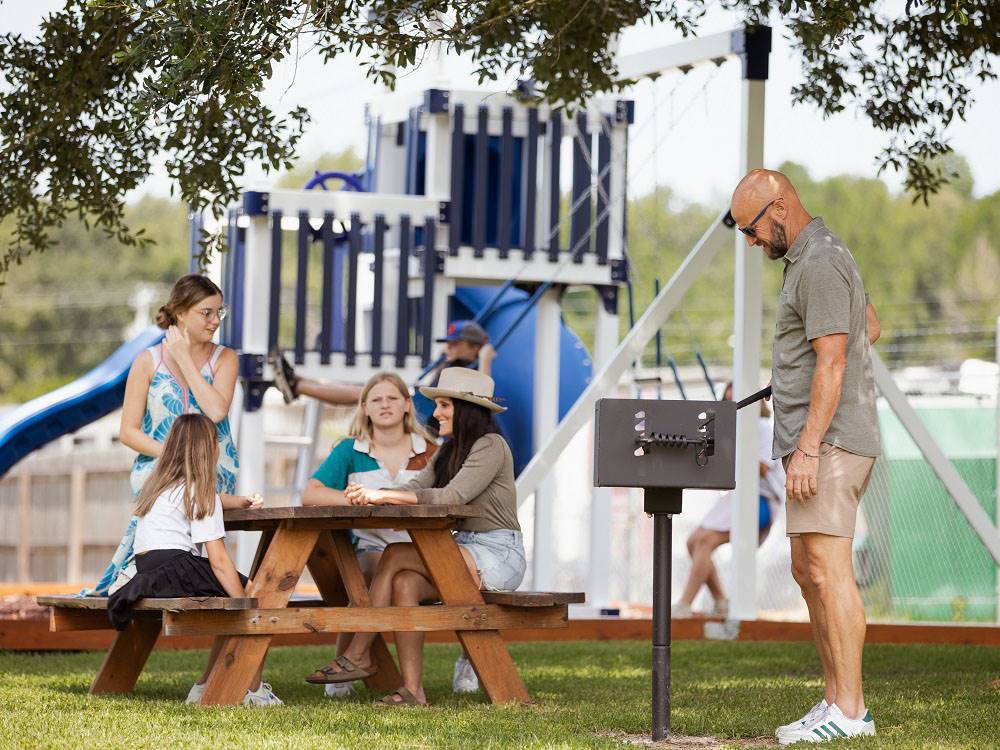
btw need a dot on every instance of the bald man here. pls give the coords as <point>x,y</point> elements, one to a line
<point>825,431</point>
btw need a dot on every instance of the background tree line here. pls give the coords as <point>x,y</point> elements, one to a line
<point>931,270</point>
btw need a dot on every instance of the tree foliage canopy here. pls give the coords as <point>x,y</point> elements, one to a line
<point>111,86</point>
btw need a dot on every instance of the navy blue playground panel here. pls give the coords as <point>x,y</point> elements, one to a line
<point>67,409</point>
<point>493,159</point>
<point>514,367</point>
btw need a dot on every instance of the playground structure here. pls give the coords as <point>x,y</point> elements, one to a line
<point>465,195</point>
<point>461,212</point>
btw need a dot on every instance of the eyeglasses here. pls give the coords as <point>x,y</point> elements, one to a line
<point>208,312</point>
<point>750,230</point>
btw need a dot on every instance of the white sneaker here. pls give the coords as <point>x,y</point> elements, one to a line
<point>338,689</point>
<point>810,716</point>
<point>681,611</point>
<point>262,696</point>
<point>464,679</point>
<point>195,693</point>
<point>832,725</point>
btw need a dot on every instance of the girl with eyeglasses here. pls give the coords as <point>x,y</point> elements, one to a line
<point>187,373</point>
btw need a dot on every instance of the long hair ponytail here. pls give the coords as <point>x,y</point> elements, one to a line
<point>469,422</point>
<point>189,457</point>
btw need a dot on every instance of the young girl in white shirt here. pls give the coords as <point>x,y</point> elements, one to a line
<point>178,509</point>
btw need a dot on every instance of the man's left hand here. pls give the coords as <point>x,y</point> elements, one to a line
<point>800,481</point>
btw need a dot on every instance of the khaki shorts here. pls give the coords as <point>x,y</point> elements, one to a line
<point>842,480</point>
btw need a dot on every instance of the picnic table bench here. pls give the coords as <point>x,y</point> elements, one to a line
<point>318,538</point>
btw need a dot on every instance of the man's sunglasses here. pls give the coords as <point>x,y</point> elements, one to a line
<point>750,230</point>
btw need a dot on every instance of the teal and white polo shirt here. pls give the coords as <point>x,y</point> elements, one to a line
<point>351,462</point>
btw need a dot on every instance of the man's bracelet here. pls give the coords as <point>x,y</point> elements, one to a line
<point>807,455</point>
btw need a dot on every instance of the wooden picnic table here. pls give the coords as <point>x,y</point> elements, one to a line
<point>294,538</point>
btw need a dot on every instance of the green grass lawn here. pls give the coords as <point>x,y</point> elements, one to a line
<point>588,695</point>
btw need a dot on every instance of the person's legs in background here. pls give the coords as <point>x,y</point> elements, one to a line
<point>292,385</point>
<point>701,544</point>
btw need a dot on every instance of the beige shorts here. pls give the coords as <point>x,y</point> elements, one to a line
<point>842,480</point>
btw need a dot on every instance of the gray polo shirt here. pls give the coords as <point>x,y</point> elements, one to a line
<point>822,294</point>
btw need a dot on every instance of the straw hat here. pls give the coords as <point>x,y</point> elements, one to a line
<point>466,385</point>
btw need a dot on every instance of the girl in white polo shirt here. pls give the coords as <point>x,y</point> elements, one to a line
<point>385,447</point>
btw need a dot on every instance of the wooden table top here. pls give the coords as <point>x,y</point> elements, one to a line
<point>343,516</point>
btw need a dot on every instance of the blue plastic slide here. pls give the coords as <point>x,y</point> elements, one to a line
<point>514,367</point>
<point>67,409</point>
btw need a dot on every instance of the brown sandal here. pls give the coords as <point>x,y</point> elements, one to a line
<point>348,672</point>
<point>408,699</point>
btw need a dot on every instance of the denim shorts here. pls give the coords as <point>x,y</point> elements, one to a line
<point>367,546</point>
<point>499,556</point>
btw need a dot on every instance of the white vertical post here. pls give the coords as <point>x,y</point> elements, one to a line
<point>996,517</point>
<point>605,345</point>
<point>437,182</point>
<point>746,372</point>
<point>256,292</point>
<point>307,450</point>
<point>546,419</point>
<point>618,186</point>
<point>599,578</point>
<point>544,220</point>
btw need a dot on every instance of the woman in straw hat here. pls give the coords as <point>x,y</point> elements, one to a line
<point>474,466</point>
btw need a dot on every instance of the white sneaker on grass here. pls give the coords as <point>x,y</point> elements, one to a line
<point>810,716</point>
<point>338,689</point>
<point>262,696</point>
<point>464,679</point>
<point>832,725</point>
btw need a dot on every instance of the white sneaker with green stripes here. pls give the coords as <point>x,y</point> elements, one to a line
<point>810,716</point>
<point>832,725</point>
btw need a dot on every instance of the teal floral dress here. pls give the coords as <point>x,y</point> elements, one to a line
<point>165,401</point>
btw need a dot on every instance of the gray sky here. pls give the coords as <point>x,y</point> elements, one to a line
<point>686,128</point>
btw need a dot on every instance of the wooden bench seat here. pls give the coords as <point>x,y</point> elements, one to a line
<point>91,612</point>
<point>534,598</point>
<point>500,610</point>
<point>506,598</point>
<point>172,605</point>
<point>132,646</point>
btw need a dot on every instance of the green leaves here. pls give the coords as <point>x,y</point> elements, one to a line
<point>908,78</point>
<point>111,85</point>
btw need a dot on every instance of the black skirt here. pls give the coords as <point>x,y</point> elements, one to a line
<point>164,574</point>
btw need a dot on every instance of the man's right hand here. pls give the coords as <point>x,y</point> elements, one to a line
<point>801,476</point>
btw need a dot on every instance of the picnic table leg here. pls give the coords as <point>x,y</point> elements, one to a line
<point>265,540</point>
<point>127,656</point>
<point>338,576</point>
<point>486,649</point>
<point>241,656</point>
